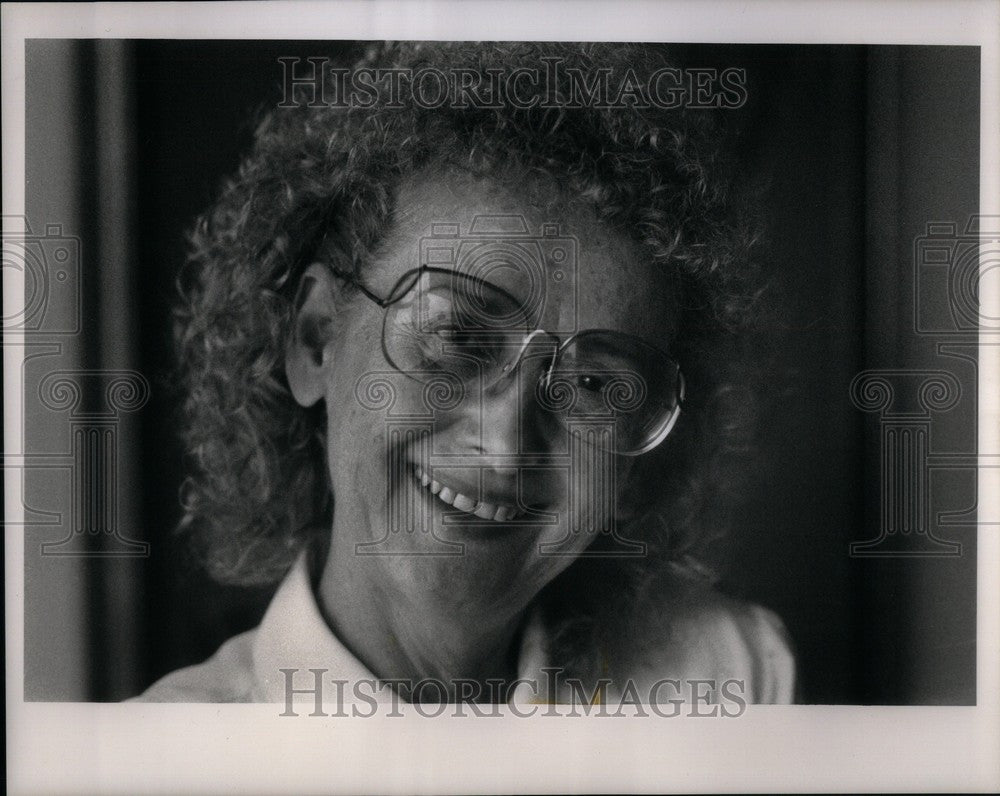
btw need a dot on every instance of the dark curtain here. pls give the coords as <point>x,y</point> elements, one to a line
<point>922,168</point>
<point>84,383</point>
<point>858,148</point>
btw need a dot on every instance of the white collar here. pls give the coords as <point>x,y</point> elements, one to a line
<point>294,635</point>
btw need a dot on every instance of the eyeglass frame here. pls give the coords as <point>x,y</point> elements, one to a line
<point>511,367</point>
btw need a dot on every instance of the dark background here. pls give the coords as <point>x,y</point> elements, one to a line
<point>858,148</point>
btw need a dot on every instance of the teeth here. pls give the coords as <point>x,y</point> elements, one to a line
<point>487,511</point>
<point>481,509</point>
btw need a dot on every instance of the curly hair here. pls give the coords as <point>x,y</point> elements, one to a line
<point>328,176</point>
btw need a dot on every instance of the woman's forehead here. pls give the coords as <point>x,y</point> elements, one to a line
<point>545,249</point>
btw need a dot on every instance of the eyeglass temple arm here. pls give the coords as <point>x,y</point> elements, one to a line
<point>669,425</point>
<point>352,280</point>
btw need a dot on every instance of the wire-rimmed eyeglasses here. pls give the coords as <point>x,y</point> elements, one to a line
<point>442,321</point>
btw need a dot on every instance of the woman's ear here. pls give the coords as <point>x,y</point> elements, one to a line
<point>308,353</point>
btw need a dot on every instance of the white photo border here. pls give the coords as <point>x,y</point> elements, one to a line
<point>248,748</point>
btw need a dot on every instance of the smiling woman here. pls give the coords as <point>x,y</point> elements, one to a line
<point>465,380</point>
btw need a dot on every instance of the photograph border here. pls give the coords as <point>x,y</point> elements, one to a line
<point>64,747</point>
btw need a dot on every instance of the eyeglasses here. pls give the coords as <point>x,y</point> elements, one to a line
<point>439,321</point>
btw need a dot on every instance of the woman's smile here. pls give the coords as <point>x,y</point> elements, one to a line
<point>487,510</point>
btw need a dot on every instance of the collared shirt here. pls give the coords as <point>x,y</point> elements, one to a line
<point>712,640</point>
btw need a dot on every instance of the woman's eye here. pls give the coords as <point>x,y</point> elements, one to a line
<point>449,333</point>
<point>453,337</point>
<point>590,383</point>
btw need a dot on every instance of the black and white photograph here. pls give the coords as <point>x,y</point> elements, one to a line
<point>376,379</point>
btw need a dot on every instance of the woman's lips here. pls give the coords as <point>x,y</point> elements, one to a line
<point>478,508</point>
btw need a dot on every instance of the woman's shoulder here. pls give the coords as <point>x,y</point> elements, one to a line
<point>698,633</point>
<point>225,677</point>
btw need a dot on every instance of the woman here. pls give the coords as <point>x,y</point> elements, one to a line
<point>461,375</point>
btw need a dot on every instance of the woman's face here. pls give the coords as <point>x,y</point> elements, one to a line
<point>476,500</point>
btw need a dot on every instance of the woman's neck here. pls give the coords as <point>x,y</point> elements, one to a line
<point>404,633</point>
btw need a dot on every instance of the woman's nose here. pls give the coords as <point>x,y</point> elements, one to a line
<point>501,418</point>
